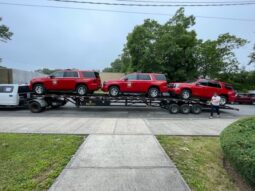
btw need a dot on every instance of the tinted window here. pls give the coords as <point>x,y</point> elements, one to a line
<point>228,86</point>
<point>89,74</point>
<point>96,74</point>
<point>203,83</point>
<point>144,77</point>
<point>6,89</point>
<point>71,74</point>
<point>23,89</point>
<point>131,77</point>
<point>214,84</point>
<point>160,77</point>
<point>58,74</point>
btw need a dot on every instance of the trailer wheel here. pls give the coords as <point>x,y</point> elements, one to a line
<point>174,108</point>
<point>35,107</point>
<point>185,108</point>
<point>196,109</point>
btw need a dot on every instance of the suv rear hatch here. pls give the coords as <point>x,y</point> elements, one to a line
<point>94,76</point>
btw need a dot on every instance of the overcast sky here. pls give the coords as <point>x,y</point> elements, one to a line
<point>62,38</point>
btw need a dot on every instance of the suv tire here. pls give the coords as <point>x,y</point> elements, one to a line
<point>223,100</point>
<point>81,90</point>
<point>114,91</point>
<point>153,92</point>
<point>185,94</point>
<point>39,89</point>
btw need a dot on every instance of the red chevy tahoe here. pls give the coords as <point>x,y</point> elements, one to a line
<point>152,84</point>
<point>79,81</point>
<point>203,89</point>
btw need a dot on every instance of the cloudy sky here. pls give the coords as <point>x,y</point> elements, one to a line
<point>92,39</point>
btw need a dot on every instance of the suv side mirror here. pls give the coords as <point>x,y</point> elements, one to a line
<point>125,79</point>
<point>52,76</point>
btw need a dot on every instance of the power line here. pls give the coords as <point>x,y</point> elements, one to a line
<point>198,2</point>
<point>119,11</point>
<point>156,5</point>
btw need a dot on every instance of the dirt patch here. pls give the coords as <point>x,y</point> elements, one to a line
<point>239,181</point>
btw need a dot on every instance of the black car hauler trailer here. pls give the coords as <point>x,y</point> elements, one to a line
<point>174,105</point>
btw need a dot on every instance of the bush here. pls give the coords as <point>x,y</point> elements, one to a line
<point>238,144</point>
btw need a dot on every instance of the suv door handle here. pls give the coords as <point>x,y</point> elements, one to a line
<point>10,95</point>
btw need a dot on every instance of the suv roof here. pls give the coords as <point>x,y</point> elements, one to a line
<point>66,70</point>
<point>144,73</point>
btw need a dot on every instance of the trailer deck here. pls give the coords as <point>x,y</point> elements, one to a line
<point>38,103</point>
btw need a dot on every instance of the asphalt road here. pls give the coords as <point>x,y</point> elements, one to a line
<point>123,112</point>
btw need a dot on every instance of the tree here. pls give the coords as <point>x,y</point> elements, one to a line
<point>5,34</point>
<point>46,71</point>
<point>216,56</point>
<point>174,49</point>
<point>252,56</point>
<point>141,46</point>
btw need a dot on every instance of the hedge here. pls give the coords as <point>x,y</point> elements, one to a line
<point>238,145</point>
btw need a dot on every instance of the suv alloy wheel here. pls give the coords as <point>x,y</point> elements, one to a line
<point>81,90</point>
<point>39,89</point>
<point>185,94</point>
<point>114,91</point>
<point>153,92</point>
<point>223,100</point>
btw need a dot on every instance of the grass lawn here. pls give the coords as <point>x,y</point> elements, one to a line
<point>200,161</point>
<point>32,162</point>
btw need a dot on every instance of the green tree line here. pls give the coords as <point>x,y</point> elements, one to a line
<point>5,34</point>
<point>174,49</point>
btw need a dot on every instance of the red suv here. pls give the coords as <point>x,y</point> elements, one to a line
<point>152,84</point>
<point>81,82</point>
<point>203,89</point>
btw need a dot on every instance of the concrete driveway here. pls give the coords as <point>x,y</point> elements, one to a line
<point>121,152</point>
<point>113,126</point>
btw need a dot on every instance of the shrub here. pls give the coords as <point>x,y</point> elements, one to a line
<point>238,144</point>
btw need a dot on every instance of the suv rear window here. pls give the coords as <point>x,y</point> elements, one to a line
<point>160,77</point>
<point>89,74</point>
<point>6,89</point>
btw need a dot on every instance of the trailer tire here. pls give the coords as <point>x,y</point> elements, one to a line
<point>185,108</point>
<point>35,107</point>
<point>174,108</point>
<point>196,109</point>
